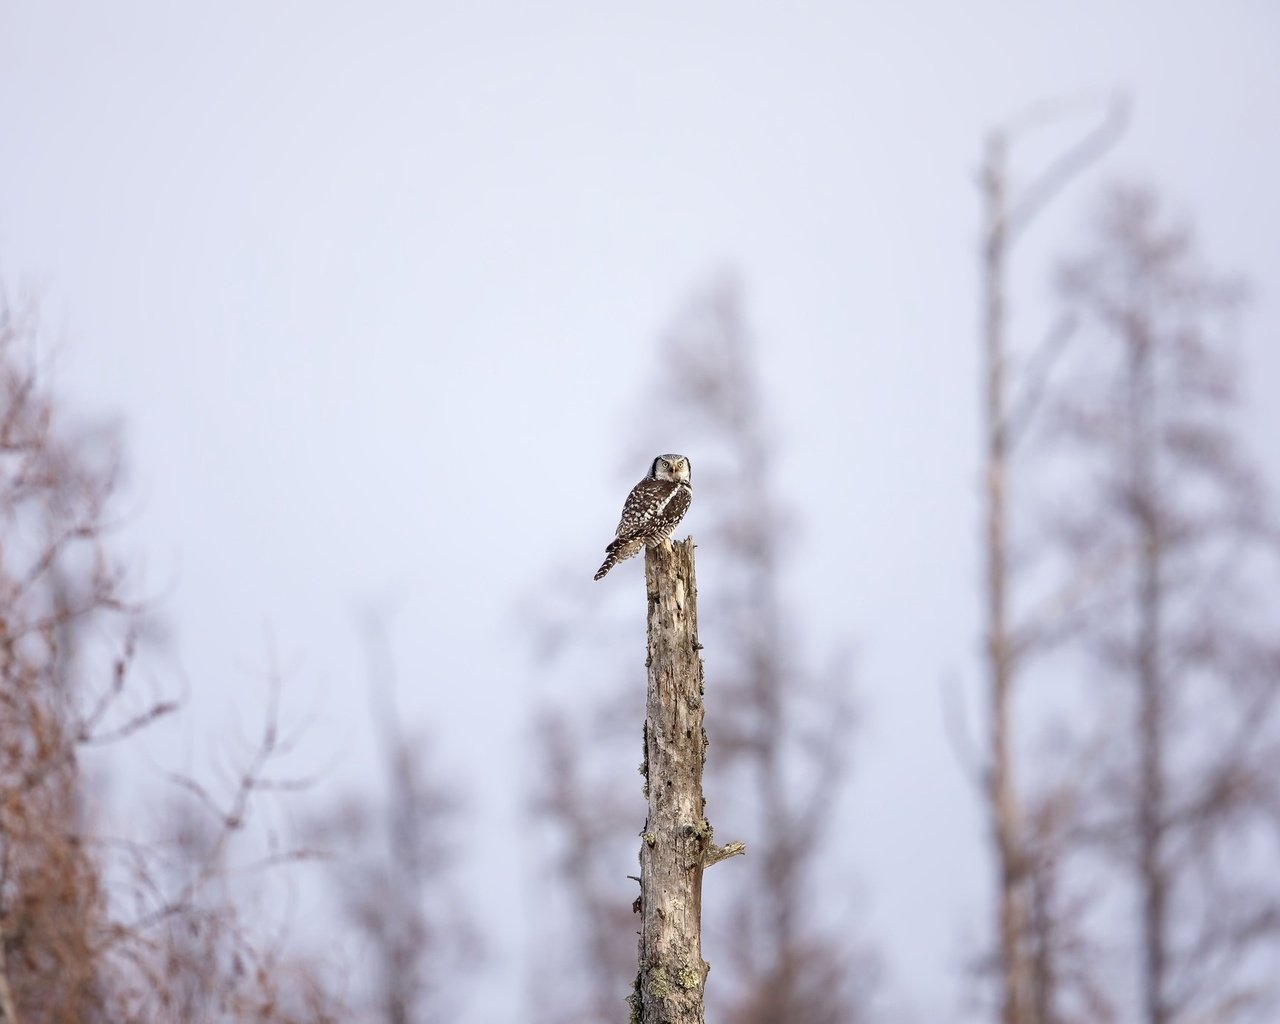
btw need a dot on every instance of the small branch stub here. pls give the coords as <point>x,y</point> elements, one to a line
<point>676,841</point>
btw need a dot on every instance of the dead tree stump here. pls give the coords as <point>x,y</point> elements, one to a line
<point>676,842</point>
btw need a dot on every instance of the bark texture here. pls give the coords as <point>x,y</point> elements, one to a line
<point>676,843</point>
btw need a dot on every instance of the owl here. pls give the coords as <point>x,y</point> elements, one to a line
<point>652,510</point>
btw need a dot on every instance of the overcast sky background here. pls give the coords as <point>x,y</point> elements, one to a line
<point>375,289</point>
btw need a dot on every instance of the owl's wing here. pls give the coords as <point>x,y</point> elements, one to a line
<point>645,500</point>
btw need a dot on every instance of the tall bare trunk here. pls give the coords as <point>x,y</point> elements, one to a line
<point>676,843</point>
<point>1002,799</point>
<point>1153,881</point>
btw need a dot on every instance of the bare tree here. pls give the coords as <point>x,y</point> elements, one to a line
<point>781,744</point>
<point>56,577</point>
<point>197,944</point>
<point>1005,218</point>
<point>593,832</point>
<point>780,733</point>
<point>391,860</point>
<point>90,927</point>
<point>1155,489</point>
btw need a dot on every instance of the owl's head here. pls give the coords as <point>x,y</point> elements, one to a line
<point>671,467</point>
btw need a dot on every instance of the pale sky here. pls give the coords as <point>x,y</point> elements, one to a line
<point>362,280</point>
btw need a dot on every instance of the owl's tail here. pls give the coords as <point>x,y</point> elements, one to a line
<point>610,560</point>
<point>617,550</point>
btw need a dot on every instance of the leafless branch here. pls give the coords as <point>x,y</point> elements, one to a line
<point>1066,168</point>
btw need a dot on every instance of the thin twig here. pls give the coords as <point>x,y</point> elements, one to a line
<point>715,854</point>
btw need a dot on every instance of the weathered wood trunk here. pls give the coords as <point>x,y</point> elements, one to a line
<point>676,842</point>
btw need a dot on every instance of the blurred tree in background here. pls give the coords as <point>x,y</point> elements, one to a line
<point>93,927</point>
<point>1161,526</point>
<point>1027,923</point>
<point>390,865</point>
<point>1140,849</point>
<point>56,577</point>
<point>780,733</point>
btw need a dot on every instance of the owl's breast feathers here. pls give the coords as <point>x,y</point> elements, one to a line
<point>654,508</point>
